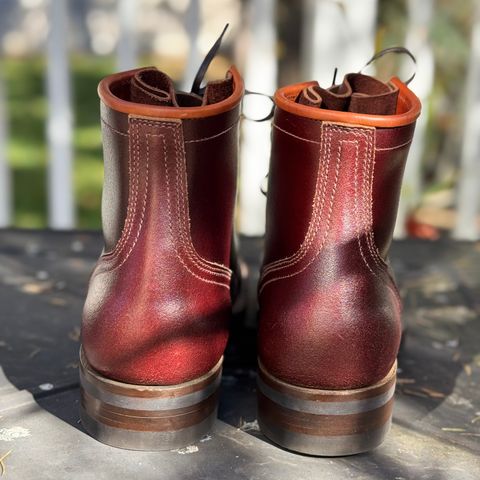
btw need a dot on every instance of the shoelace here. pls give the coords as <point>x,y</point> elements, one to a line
<point>374,58</point>
<point>395,50</point>
<point>198,89</point>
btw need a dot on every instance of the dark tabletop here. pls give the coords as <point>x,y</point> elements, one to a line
<point>436,431</point>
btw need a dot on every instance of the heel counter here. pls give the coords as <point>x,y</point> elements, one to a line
<point>148,336</point>
<point>344,334</point>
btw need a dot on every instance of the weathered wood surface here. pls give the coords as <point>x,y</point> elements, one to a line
<point>436,432</point>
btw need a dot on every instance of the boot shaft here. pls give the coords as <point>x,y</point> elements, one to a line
<point>158,303</point>
<point>326,293</point>
<point>334,175</point>
<point>175,161</point>
<point>330,324</point>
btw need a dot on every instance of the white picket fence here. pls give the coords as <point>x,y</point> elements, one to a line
<point>337,33</point>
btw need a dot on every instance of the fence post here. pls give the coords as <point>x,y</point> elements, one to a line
<point>192,27</point>
<point>337,33</point>
<point>5,176</point>
<point>420,16</point>
<point>260,76</point>
<point>59,123</point>
<point>127,48</point>
<point>468,204</point>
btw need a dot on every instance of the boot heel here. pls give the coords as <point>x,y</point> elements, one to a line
<point>141,417</point>
<point>325,422</point>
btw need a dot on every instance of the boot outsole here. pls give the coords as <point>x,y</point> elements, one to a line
<point>149,418</point>
<point>325,422</point>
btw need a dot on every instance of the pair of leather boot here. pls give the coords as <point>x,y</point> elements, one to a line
<point>156,317</point>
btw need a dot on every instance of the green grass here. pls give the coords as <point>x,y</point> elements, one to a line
<point>27,152</point>
<point>27,149</point>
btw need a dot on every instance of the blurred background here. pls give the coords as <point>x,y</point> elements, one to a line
<point>54,52</point>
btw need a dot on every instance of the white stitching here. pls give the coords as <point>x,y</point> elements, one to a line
<point>182,209</point>
<point>371,236</point>
<point>331,128</point>
<point>328,224</point>
<point>133,186</point>
<point>114,129</point>
<point>188,243</point>
<point>313,226</point>
<point>358,226</point>
<point>367,202</point>
<point>274,125</point>
<point>351,128</point>
<point>369,227</point>
<point>393,148</point>
<point>145,195</point>
<point>170,226</point>
<point>369,152</point>
<point>210,267</point>
<point>213,136</point>
<point>117,255</point>
<point>288,261</point>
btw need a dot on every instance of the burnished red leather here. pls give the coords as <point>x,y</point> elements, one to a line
<point>329,307</point>
<point>158,302</point>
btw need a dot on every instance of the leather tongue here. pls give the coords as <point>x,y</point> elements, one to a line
<point>335,98</point>
<point>218,90</point>
<point>214,92</point>
<point>357,94</point>
<point>153,87</point>
<point>150,86</point>
<point>372,96</point>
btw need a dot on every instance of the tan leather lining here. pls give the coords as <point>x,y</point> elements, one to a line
<point>408,108</point>
<point>112,101</point>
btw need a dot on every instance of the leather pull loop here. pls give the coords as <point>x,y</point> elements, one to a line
<point>269,116</point>
<point>397,50</point>
<point>197,82</point>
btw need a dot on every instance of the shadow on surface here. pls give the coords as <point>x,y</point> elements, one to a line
<point>43,282</point>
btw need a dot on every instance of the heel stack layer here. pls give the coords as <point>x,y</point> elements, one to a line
<point>325,422</point>
<point>142,417</point>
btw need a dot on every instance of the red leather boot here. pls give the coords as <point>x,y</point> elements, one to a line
<point>329,309</point>
<point>155,321</point>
